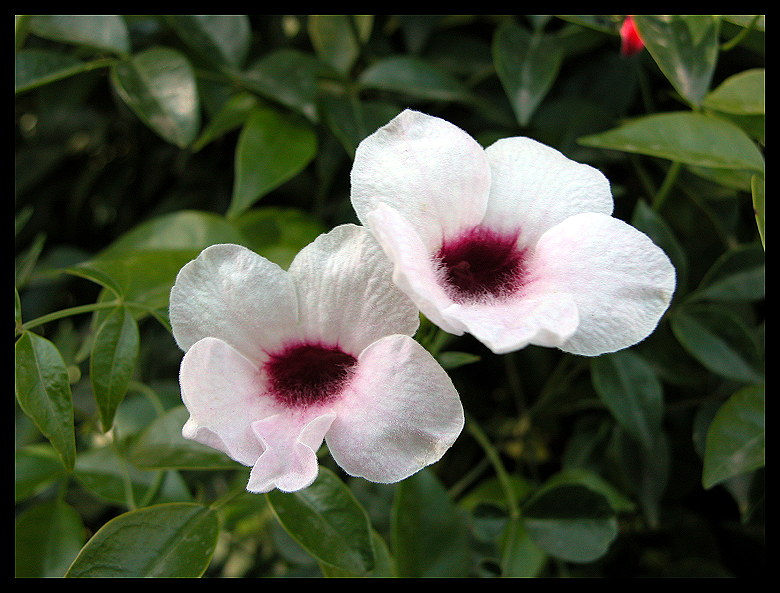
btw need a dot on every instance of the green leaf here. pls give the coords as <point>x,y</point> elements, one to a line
<point>49,535</point>
<point>527,64</point>
<point>43,392</point>
<point>741,94</point>
<point>757,188</point>
<point>333,38</point>
<point>37,67</point>
<point>278,234</point>
<point>328,522</point>
<point>414,77</point>
<point>104,32</point>
<point>685,47</point>
<point>111,476</point>
<point>273,147</point>
<point>112,363</point>
<point>158,84</point>
<point>452,360</point>
<point>719,340</point>
<point>739,275</point>
<point>429,533</point>
<point>571,522</point>
<point>690,138</point>
<point>383,565</point>
<point>520,556</point>
<point>628,386</point>
<point>654,226</point>
<point>735,438</point>
<point>36,467</point>
<point>646,472</point>
<point>162,446</point>
<point>287,77</point>
<point>232,115</point>
<point>163,541</point>
<point>220,39</point>
<point>351,120</point>
<point>178,231</point>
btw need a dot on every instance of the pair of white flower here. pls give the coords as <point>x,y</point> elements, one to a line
<point>514,244</point>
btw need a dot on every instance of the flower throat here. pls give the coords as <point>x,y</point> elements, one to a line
<point>481,262</point>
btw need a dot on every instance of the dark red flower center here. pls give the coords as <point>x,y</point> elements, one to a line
<point>304,374</point>
<point>482,262</point>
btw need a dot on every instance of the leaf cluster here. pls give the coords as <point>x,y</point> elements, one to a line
<point>142,139</point>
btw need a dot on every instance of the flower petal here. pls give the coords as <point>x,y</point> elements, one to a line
<point>621,280</point>
<point>534,187</point>
<point>222,391</point>
<point>540,319</point>
<point>401,413</point>
<point>428,169</point>
<point>414,271</point>
<point>231,293</point>
<point>346,292</point>
<point>289,461</point>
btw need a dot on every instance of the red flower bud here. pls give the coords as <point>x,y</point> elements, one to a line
<point>631,42</point>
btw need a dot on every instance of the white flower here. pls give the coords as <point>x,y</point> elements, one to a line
<point>277,361</point>
<point>514,244</point>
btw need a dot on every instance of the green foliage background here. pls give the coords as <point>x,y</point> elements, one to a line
<point>142,139</point>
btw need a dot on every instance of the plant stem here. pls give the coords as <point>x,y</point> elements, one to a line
<point>498,466</point>
<point>78,310</point>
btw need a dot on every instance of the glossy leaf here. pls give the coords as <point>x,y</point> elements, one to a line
<point>413,77</point>
<point>690,138</point>
<point>719,341</point>
<point>328,522</point>
<point>48,537</point>
<point>287,77</point>
<point>278,233</point>
<point>571,522</point>
<point>333,38</point>
<point>520,556</point>
<point>36,467</point>
<point>162,541</point>
<point>112,362</point>
<point>629,388</point>
<point>735,439</point>
<point>43,392</point>
<point>112,476</point>
<point>685,47</point>
<point>272,148</point>
<point>158,84</point>
<point>162,446</point>
<point>181,230</point>
<point>429,534</point>
<point>738,275</point>
<point>37,67</point>
<point>757,186</point>
<point>104,32</point>
<point>741,94</point>
<point>527,64</point>
<point>220,39</point>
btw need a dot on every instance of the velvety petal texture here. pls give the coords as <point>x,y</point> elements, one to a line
<point>277,362</point>
<point>533,257</point>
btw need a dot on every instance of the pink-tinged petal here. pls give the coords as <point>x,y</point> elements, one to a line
<point>428,169</point>
<point>621,280</point>
<point>346,292</point>
<point>400,413</point>
<point>223,392</point>
<point>231,293</point>
<point>534,187</point>
<point>289,461</point>
<point>539,319</point>
<point>414,272</point>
